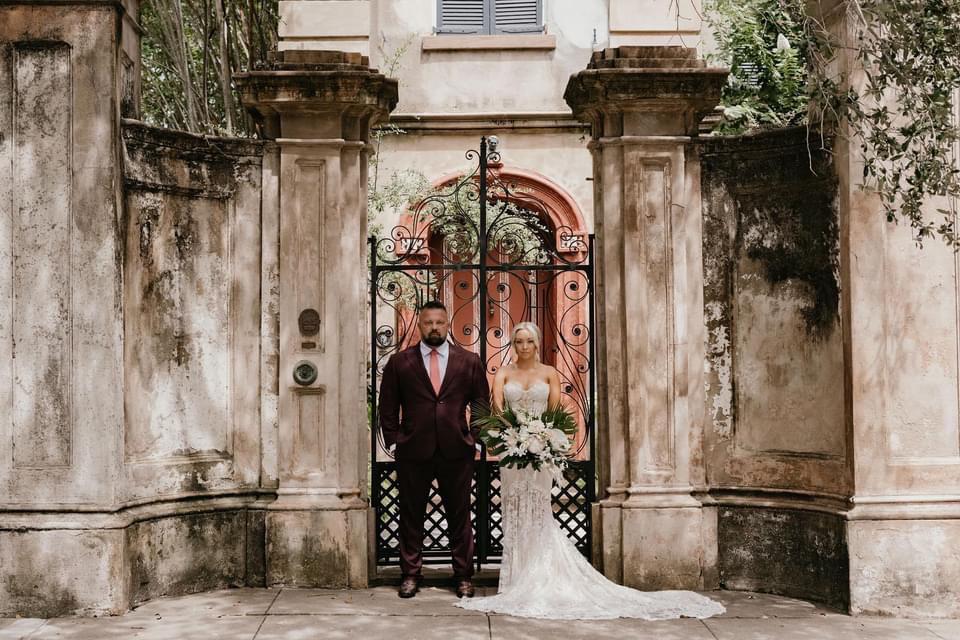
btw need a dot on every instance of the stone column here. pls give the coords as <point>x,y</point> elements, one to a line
<point>319,106</point>
<point>644,105</point>
<point>63,78</point>
<point>901,330</point>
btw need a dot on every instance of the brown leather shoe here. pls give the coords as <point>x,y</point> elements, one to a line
<point>408,588</point>
<point>464,588</point>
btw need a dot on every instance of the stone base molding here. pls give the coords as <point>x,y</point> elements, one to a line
<point>103,563</point>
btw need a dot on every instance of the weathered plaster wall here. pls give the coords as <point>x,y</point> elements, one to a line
<point>130,275</point>
<point>901,327</point>
<point>193,392</point>
<point>61,380</point>
<point>192,316</point>
<point>60,345</point>
<point>59,572</point>
<point>903,333</point>
<point>775,448</point>
<point>794,552</point>
<point>191,553</point>
<point>771,300</point>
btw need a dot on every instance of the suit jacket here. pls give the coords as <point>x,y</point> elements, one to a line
<point>421,422</point>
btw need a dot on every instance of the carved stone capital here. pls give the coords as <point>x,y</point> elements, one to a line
<point>336,85</point>
<point>645,91</point>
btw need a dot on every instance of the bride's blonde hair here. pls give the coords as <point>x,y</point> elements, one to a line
<point>530,327</point>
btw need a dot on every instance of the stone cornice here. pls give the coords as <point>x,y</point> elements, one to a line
<point>645,79</point>
<point>305,82</point>
<point>306,90</point>
<point>46,517</point>
<point>458,123</point>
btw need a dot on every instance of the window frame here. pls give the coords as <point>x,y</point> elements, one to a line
<point>489,23</point>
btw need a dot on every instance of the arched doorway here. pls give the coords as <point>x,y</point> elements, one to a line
<point>551,298</point>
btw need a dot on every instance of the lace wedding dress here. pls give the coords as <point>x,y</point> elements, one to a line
<point>543,575</point>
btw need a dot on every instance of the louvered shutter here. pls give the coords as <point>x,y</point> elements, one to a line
<point>462,16</point>
<point>517,16</point>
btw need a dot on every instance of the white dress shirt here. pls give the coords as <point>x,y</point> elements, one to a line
<point>443,351</point>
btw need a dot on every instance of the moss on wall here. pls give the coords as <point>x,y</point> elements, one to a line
<point>771,197</point>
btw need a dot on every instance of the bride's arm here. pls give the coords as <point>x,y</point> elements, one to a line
<point>496,394</point>
<point>554,400</point>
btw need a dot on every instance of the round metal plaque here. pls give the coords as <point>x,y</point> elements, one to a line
<point>305,373</point>
<point>309,322</point>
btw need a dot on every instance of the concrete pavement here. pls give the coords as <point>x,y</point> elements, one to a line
<point>308,614</point>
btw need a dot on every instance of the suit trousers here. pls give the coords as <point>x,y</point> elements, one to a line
<point>454,478</point>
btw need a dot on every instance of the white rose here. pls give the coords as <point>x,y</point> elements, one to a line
<point>536,426</point>
<point>535,446</point>
<point>558,439</point>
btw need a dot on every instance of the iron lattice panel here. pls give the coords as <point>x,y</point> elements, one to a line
<point>571,509</point>
<point>494,541</point>
<point>436,544</point>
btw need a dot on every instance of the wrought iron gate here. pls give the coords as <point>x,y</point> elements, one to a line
<point>486,248</point>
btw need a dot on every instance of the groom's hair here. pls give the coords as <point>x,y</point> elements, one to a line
<point>432,304</point>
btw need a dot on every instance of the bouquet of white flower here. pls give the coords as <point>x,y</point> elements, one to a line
<point>521,439</point>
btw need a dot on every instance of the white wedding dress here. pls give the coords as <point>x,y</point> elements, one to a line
<point>543,575</point>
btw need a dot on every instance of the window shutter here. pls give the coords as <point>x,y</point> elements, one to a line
<point>461,16</point>
<point>517,16</point>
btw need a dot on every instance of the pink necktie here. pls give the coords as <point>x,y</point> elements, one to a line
<point>435,370</point>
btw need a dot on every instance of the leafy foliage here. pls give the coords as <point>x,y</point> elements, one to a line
<point>903,112</point>
<point>762,42</point>
<point>899,109</point>
<point>190,50</point>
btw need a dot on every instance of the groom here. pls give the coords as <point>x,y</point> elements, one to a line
<point>424,395</point>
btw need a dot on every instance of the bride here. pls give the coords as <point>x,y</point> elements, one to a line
<point>542,574</point>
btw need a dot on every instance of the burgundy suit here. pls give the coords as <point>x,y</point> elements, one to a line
<point>433,441</point>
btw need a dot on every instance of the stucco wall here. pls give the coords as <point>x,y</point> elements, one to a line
<point>192,317</point>
<point>775,439</point>
<point>441,72</point>
<point>771,301</point>
<point>60,344</point>
<point>491,81</point>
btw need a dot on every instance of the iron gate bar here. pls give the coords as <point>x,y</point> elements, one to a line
<point>504,269</point>
<point>571,499</point>
<point>482,507</point>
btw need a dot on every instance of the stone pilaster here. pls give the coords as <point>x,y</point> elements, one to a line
<point>63,77</point>
<point>319,106</point>
<point>901,331</point>
<point>644,105</point>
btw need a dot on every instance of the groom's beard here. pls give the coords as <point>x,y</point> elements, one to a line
<point>434,339</point>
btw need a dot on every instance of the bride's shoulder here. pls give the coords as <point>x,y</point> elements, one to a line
<point>550,371</point>
<point>505,371</point>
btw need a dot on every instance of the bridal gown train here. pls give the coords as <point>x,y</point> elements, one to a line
<point>543,575</point>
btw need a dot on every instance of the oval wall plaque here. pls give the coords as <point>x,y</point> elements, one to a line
<point>309,322</point>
